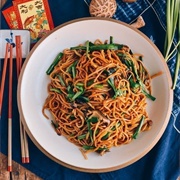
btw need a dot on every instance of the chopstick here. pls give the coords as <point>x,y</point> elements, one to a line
<point>20,124</point>
<point>27,159</point>
<point>8,47</point>
<point>3,76</point>
<point>23,135</point>
<point>10,111</point>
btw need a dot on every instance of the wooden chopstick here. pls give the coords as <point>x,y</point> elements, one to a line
<point>4,75</point>
<point>23,135</point>
<point>27,159</point>
<point>10,111</point>
<point>8,48</point>
<point>17,40</point>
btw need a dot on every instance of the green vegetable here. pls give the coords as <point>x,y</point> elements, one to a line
<point>86,147</point>
<point>111,40</point>
<point>87,48</point>
<point>55,90</point>
<point>90,82</point>
<point>70,92</point>
<point>99,86</point>
<point>106,136</point>
<point>54,63</point>
<point>140,58</point>
<point>90,130</point>
<point>177,68</point>
<point>82,99</point>
<point>121,55</point>
<point>138,128</point>
<point>133,84</point>
<point>148,95</point>
<point>61,80</point>
<point>173,24</point>
<point>93,119</point>
<point>108,133</point>
<point>72,69</point>
<point>117,92</point>
<point>102,149</point>
<point>79,95</point>
<point>54,124</point>
<point>83,136</point>
<point>72,117</point>
<point>98,47</point>
<point>129,63</point>
<point>80,84</point>
<point>89,121</point>
<point>76,95</point>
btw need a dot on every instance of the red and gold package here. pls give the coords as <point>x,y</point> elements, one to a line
<point>10,17</point>
<point>35,16</point>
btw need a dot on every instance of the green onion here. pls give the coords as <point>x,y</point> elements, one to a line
<point>83,136</point>
<point>89,121</point>
<point>86,147</point>
<point>90,130</point>
<point>99,47</point>
<point>108,133</point>
<point>93,119</point>
<point>54,63</point>
<point>111,40</point>
<point>87,48</point>
<point>55,90</point>
<point>173,24</point>
<point>72,69</point>
<point>110,81</point>
<point>117,92</point>
<point>54,124</point>
<point>90,82</point>
<point>99,86</point>
<point>82,99</point>
<point>80,84</point>
<point>148,95</point>
<point>133,84</point>
<point>70,92</point>
<point>72,117</point>
<point>177,68</point>
<point>129,63</point>
<point>138,128</point>
<point>77,95</point>
<point>105,136</point>
<point>103,149</point>
<point>73,96</point>
<point>61,80</point>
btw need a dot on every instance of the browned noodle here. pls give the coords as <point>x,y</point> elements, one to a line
<point>117,118</point>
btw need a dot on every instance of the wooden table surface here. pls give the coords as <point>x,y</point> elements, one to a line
<point>18,172</point>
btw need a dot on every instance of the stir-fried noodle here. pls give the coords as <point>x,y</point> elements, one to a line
<point>97,95</point>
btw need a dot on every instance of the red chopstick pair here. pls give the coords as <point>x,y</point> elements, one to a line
<point>8,55</point>
<point>23,135</point>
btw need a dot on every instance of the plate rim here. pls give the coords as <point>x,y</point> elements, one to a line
<point>93,170</point>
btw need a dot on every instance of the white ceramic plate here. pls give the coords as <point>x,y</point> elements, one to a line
<point>32,92</point>
<point>7,35</point>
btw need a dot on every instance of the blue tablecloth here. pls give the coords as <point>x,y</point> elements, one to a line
<point>162,162</point>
